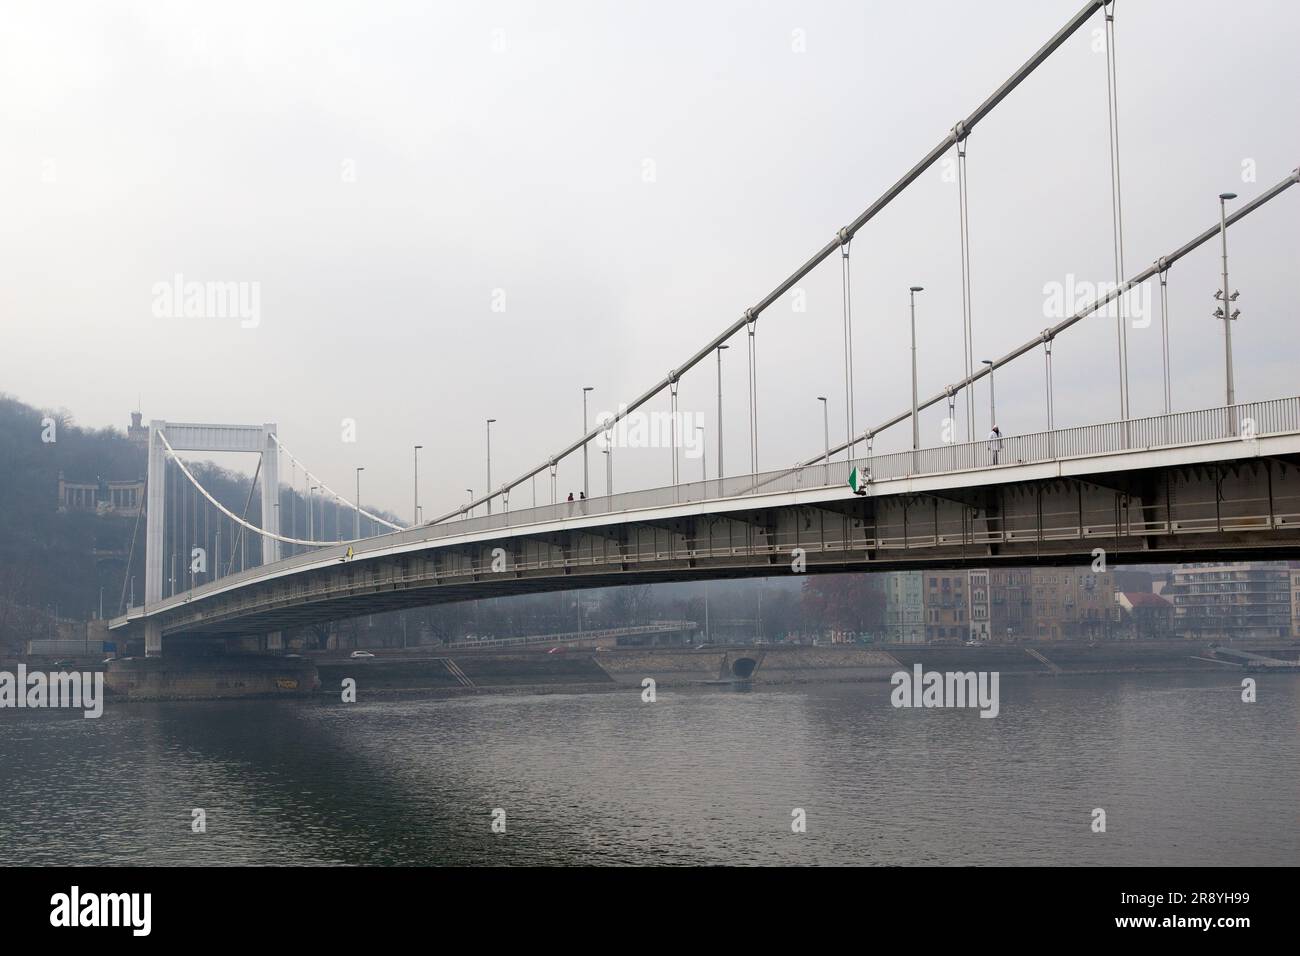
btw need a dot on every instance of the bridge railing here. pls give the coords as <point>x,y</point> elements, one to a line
<point>1242,421</point>
<point>570,637</point>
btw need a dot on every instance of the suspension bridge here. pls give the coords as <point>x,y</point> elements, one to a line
<point>1217,481</point>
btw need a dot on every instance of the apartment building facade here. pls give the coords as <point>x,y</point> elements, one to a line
<point>1238,601</point>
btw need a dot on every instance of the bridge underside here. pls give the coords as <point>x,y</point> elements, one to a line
<point>1242,509</point>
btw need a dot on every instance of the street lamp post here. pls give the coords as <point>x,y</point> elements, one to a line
<point>470,492</point>
<point>826,434</point>
<point>1225,311</point>
<point>415,511</point>
<point>993,417</point>
<point>704,455</point>
<point>586,488</point>
<point>721,473</point>
<point>356,528</point>
<point>707,632</point>
<point>916,426</point>
<point>609,473</point>
<point>311,516</point>
<point>826,425</point>
<point>489,464</point>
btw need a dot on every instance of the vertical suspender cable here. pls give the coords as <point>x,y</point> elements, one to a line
<point>178,564</point>
<point>1047,358</point>
<point>967,328</point>
<point>937,152</point>
<point>1164,332</point>
<point>847,299</point>
<point>192,538</point>
<point>167,524</point>
<point>293,504</point>
<point>183,565</point>
<point>177,507</point>
<point>1117,210</point>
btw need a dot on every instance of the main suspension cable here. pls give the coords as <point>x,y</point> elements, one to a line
<point>1164,329</point>
<point>929,159</point>
<point>230,514</point>
<point>338,497</point>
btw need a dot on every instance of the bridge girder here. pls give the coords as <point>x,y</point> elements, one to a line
<point>1169,514</point>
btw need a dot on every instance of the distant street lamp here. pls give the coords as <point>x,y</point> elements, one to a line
<point>489,464</point>
<point>916,426</point>
<point>721,473</point>
<point>311,518</point>
<point>586,487</point>
<point>826,425</point>
<point>356,530</point>
<point>415,511</point>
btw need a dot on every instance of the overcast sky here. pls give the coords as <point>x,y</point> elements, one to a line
<point>631,177</point>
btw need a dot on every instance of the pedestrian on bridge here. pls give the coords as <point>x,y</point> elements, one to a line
<point>995,442</point>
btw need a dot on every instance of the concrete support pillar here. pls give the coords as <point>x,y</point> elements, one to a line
<point>270,494</point>
<point>154,515</point>
<point>152,638</point>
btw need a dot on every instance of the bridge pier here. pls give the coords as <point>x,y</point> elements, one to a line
<point>152,638</point>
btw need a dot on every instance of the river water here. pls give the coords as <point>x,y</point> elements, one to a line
<point>1186,772</point>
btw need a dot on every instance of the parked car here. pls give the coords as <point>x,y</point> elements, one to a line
<point>556,650</point>
<point>358,655</point>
